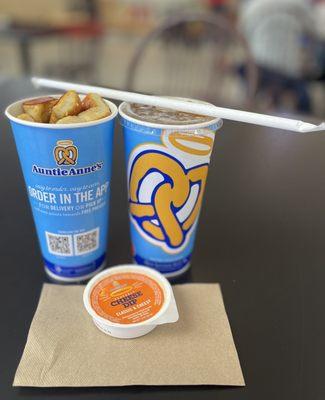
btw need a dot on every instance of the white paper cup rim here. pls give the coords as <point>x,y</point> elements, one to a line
<point>157,276</point>
<point>9,115</point>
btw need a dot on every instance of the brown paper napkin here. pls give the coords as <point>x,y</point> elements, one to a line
<point>64,348</point>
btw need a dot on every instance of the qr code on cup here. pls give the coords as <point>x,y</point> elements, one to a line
<point>60,245</point>
<point>86,242</point>
<point>69,245</point>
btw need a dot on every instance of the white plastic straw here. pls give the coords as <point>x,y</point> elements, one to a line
<point>186,106</point>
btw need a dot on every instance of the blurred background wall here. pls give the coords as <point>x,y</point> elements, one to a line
<point>265,55</point>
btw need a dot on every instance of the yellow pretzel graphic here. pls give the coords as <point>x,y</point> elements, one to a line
<point>167,196</point>
<point>65,153</point>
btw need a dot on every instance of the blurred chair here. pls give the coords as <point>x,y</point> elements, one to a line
<point>279,33</point>
<point>195,55</point>
<point>75,52</point>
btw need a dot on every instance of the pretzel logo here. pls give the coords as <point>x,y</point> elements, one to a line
<point>165,196</point>
<point>65,153</point>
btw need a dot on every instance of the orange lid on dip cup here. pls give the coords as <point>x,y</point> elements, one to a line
<point>129,301</point>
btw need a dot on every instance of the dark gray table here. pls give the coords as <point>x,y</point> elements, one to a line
<point>262,236</point>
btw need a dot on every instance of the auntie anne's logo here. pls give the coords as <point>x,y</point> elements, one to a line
<point>65,152</point>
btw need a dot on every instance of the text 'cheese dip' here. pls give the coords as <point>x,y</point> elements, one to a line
<point>127,298</point>
<point>129,301</point>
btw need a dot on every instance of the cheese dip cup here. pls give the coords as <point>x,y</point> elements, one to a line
<point>168,155</point>
<point>129,301</point>
<point>67,171</point>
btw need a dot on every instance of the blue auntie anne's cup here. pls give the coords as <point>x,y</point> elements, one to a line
<point>168,155</point>
<point>67,171</point>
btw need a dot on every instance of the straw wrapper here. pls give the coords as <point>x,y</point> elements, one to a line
<point>186,106</point>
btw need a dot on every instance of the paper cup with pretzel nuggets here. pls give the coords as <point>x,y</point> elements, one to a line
<point>64,145</point>
<point>168,154</point>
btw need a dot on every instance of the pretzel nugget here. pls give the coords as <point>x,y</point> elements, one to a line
<point>95,108</point>
<point>71,119</point>
<point>25,117</point>
<point>39,109</point>
<point>68,104</point>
